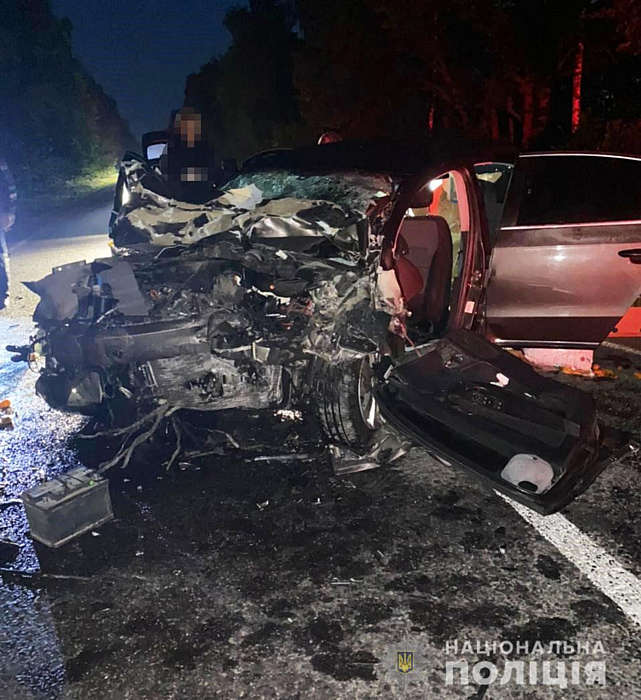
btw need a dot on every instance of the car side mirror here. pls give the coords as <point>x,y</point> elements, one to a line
<point>153,145</point>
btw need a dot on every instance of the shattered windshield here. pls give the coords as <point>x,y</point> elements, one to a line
<point>349,190</point>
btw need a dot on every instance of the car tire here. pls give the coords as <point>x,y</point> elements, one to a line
<point>346,405</point>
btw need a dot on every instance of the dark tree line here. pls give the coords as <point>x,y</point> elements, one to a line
<point>247,95</point>
<point>534,72</point>
<point>55,120</point>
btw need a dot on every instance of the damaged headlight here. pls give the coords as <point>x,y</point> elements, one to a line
<point>82,392</point>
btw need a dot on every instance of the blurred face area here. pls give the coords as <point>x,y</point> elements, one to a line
<point>188,123</point>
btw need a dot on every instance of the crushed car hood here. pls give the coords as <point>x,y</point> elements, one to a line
<point>217,297</point>
<point>281,206</point>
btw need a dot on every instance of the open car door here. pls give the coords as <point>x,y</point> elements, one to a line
<point>566,262</point>
<point>475,405</point>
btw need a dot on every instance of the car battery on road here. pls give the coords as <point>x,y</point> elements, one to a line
<point>67,506</point>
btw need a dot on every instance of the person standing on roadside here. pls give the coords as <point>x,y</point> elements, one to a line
<point>8,200</point>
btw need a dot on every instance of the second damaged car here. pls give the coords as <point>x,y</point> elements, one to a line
<point>365,284</point>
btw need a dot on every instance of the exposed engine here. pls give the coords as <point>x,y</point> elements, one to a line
<point>221,305</point>
<point>198,333</point>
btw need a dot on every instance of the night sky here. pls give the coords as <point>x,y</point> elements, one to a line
<point>142,51</point>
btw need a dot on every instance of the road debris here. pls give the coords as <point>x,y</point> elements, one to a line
<point>36,577</point>
<point>6,418</point>
<point>288,414</point>
<point>68,506</point>
<point>284,458</point>
<point>599,372</point>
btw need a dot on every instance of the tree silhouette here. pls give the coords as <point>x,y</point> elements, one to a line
<point>533,72</point>
<point>55,120</point>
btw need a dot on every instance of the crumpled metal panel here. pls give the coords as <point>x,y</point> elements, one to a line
<point>65,292</point>
<point>124,289</point>
<point>231,289</point>
<point>59,290</point>
<point>263,205</point>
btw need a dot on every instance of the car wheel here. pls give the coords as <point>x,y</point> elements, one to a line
<point>346,404</point>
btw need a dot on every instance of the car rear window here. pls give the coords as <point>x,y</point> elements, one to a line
<point>578,189</point>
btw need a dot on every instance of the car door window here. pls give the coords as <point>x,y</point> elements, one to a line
<point>449,202</point>
<point>564,266</point>
<point>433,248</point>
<point>493,180</point>
<point>578,189</point>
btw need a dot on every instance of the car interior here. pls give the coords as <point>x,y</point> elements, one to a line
<point>429,254</point>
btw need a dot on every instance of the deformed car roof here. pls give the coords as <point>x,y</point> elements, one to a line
<point>398,158</point>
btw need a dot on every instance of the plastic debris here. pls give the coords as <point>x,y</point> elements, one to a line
<point>595,372</point>
<point>383,558</point>
<point>289,414</point>
<point>284,458</point>
<point>6,420</point>
<point>601,373</point>
<point>242,197</point>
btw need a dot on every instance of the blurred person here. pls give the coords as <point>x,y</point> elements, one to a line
<point>189,160</point>
<point>8,200</point>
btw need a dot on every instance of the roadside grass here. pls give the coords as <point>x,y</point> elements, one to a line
<point>58,192</point>
<point>93,180</point>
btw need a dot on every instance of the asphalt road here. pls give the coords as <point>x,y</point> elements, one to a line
<point>230,577</point>
<point>39,241</point>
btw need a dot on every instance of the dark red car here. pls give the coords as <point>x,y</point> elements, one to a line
<point>375,284</point>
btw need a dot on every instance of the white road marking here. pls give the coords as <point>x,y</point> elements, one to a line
<point>603,570</point>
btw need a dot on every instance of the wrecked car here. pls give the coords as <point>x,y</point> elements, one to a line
<point>372,285</point>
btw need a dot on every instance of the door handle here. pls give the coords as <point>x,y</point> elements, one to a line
<point>633,255</point>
